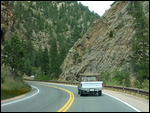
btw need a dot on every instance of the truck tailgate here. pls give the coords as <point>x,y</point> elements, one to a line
<point>92,84</point>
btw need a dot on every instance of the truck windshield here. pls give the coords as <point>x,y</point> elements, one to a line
<point>88,78</point>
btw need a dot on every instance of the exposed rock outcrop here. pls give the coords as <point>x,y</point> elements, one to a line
<point>7,19</point>
<point>98,51</point>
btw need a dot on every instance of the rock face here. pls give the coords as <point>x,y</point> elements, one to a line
<point>7,19</point>
<point>105,46</point>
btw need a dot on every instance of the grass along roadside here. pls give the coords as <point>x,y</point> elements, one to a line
<point>12,85</point>
<point>6,94</point>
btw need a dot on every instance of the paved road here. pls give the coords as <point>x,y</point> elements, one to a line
<point>46,97</point>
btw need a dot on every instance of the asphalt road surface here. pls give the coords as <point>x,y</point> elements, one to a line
<point>48,97</point>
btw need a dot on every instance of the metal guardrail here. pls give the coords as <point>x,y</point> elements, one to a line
<point>113,87</point>
<point>130,89</point>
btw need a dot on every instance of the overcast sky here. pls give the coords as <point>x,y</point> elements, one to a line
<point>98,7</point>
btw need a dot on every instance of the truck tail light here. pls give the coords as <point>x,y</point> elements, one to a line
<point>102,84</point>
<point>81,85</point>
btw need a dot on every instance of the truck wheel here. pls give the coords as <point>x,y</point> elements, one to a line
<point>81,93</point>
<point>100,93</point>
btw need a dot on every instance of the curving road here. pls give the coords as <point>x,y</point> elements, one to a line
<point>47,97</point>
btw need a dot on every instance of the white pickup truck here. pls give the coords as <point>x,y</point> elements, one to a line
<point>90,84</point>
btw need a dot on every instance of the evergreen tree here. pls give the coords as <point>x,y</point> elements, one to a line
<point>140,42</point>
<point>28,67</point>
<point>38,60</point>
<point>54,69</point>
<point>13,53</point>
<point>30,57</point>
<point>76,34</point>
<point>62,53</point>
<point>45,61</point>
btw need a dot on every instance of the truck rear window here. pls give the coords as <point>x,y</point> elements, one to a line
<point>88,78</point>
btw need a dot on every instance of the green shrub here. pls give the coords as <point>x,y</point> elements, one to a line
<point>122,77</point>
<point>146,84</point>
<point>106,77</point>
<point>136,84</point>
<point>111,34</point>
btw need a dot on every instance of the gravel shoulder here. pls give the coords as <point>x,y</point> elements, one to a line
<point>139,103</point>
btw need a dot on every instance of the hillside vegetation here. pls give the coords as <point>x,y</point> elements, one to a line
<point>37,37</point>
<point>60,39</point>
<point>42,35</point>
<point>11,79</point>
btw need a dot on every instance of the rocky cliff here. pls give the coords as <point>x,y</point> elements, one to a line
<point>106,44</point>
<point>7,19</point>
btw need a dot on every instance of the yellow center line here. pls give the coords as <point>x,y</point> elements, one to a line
<point>69,102</point>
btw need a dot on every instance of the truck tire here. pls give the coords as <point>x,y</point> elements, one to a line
<point>100,93</point>
<point>81,93</point>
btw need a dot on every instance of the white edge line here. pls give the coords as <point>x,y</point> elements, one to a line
<point>103,93</point>
<point>124,102</point>
<point>22,98</point>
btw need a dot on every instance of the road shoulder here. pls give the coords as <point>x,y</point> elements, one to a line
<point>14,98</point>
<point>139,103</point>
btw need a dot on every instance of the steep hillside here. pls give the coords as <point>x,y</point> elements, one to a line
<point>40,21</point>
<point>11,83</point>
<point>106,46</point>
<point>42,35</point>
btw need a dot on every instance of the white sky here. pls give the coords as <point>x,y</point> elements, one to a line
<point>98,7</point>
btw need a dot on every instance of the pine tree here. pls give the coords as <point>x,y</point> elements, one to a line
<point>39,57</point>
<point>46,61</point>
<point>76,34</point>
<point>30,57</point>
<point>140,42</point>
<point>27,67</point>
<point>54,58</point>
<point>13,53</point>
<point>62,53</point>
